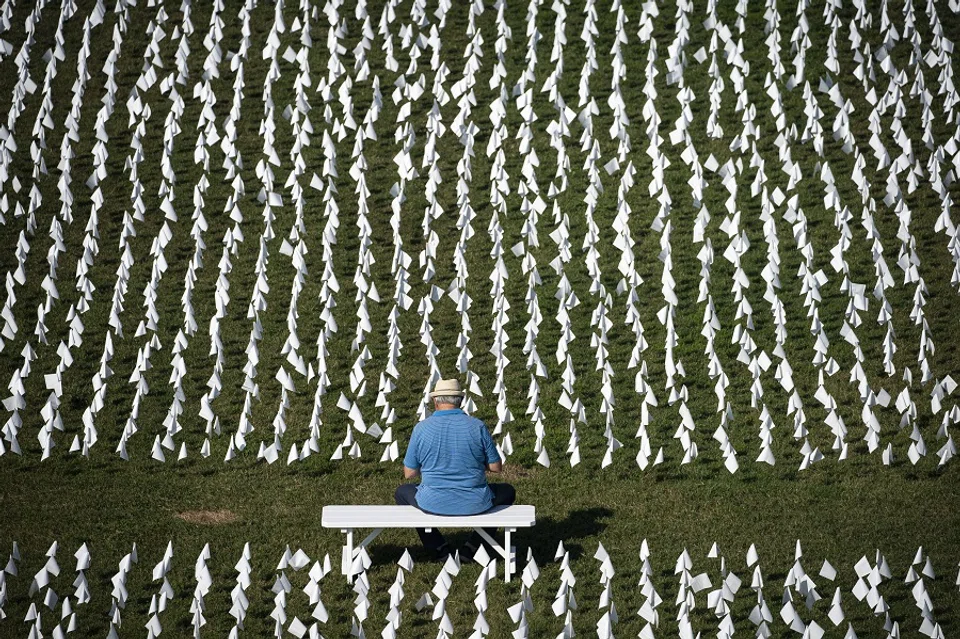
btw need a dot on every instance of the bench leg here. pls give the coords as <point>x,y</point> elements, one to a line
<point>350,552</point>
<point>346,557</point>
<point>367,540</point>
<point>506,551</point>
<point>508,567</point>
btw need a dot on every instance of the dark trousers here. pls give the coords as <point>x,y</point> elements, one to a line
<point>406,495</point>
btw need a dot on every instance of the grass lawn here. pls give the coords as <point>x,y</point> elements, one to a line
<point>839,511</point>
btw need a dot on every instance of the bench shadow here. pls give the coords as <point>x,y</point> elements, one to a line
<point>543,538</point>
<point>577,525</point>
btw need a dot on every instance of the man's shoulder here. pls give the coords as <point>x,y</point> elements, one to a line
<point>428,422</point>
<point>474,423</point>
<point>467,419</point>
<point>421,425</point>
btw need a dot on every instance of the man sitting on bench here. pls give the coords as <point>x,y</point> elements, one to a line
<point>451,451</point>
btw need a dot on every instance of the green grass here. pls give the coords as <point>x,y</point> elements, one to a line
<point>839,511</point>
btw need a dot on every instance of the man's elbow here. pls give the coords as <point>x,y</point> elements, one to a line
<point>409,473</point>
<point>495,467</point>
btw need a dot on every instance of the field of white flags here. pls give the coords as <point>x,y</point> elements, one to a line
<point>696,265</point>
<point>670,232</point>
<point>692,594</point>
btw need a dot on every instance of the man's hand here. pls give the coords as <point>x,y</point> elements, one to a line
<point>495,467</point>
<point>409,473</point>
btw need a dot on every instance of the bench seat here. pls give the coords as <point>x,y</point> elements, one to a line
<point>412,517</point>
<point>349,518</point>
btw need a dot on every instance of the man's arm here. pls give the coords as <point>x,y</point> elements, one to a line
<point>411,461</point>
<point>494,463</point>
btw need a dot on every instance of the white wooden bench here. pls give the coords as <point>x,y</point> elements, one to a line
<point>350,518</point>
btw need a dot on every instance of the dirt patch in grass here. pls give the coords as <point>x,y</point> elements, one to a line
<point>511,472</point>
<point>208,517</point>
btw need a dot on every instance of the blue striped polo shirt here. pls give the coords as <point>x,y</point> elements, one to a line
<point>451,450</point>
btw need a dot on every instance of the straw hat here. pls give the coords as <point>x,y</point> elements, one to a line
<point>446,387</point>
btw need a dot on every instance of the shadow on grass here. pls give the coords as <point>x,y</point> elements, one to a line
<point>578,524</point>
<point>542,538</point>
